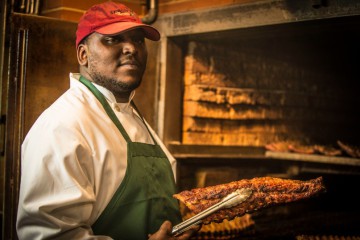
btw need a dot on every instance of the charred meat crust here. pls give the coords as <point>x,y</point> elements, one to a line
<point>266,192</point>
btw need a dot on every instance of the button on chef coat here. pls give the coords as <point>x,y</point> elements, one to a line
<point>73,160</point>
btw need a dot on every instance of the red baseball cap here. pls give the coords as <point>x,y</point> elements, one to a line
<point>111,18</point>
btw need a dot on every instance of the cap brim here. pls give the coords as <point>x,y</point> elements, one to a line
<point>119,27</point>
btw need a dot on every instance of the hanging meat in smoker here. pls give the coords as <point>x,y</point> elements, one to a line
<point>303,149</point>
<point>351,150</point>
<point>282,146</point>
<point>266,192</point>
<point>327,150</point>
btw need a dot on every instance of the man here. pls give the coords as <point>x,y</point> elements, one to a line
<point>91,166</point>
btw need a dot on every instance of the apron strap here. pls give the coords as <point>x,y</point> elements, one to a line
<point>143,120</point>
<point>106,106</point>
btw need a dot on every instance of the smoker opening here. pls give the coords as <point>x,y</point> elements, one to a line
<point>238,92</point>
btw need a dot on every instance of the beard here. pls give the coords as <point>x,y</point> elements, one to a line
<point>113,84</point>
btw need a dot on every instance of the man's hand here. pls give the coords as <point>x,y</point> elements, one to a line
<point>164,233</point>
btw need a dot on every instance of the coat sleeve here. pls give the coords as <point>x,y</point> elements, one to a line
<point>56,190</point>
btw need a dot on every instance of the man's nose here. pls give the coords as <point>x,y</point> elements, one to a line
<point>129,48</point>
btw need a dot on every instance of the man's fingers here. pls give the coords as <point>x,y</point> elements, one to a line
<point>165,230</point>
<point>189,233</point>
<point>166,227</point>
<point>163,233</point>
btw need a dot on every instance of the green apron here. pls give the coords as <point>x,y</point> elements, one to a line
<point>144,199</point>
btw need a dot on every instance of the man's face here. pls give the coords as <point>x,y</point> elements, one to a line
<point>117,62</point>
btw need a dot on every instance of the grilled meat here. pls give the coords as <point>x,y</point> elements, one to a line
<point>327,150</point>
<point>266,192</point>
<point>351,150</point>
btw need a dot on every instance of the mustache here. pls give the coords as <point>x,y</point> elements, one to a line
<point>129,60</point>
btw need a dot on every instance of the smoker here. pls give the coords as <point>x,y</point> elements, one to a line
<point>241,79</point>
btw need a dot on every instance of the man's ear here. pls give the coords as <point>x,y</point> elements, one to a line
<point>82,54</point>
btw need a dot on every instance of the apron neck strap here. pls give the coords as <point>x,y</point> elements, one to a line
<point>106,106</point>
<point>143,120</point>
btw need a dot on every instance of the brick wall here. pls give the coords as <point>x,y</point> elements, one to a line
<point>226,102</point>
<point>251,92</point>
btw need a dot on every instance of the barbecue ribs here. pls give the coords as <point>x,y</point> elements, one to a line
<point>266,192</point>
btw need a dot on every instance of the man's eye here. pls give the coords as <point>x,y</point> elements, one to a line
<point>110,40</point>
<point>140,40</point>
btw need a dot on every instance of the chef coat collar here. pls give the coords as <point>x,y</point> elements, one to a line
<point>108,94</point>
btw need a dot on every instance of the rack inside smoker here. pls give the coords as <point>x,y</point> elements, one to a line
<point>314,158</point>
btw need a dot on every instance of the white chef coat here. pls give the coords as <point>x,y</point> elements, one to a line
<point>73,160</point>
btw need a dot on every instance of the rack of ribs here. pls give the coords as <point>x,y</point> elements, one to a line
<point>266,192</point>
